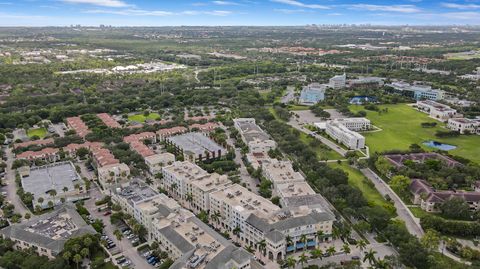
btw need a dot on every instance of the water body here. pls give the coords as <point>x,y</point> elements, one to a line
<point>438,145</point>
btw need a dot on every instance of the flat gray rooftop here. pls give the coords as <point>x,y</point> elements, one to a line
<point>136,192</point>
<point>252,132</point>
<point>51,177</point>
<point>196,143</point>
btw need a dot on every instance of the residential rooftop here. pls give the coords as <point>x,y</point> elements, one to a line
<point>196,143</point>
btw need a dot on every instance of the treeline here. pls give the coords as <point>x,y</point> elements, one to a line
<point>451,227</point>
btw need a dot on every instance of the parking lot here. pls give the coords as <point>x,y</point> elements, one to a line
<point>119,249</point>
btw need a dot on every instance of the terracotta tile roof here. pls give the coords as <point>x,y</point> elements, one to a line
<point>77,124</point>
<point>108,120</point>
<point>41,142</point>
<point>104,157</point>
<point>209,126</point>
<point>172,131</point>
<point>31,155</point>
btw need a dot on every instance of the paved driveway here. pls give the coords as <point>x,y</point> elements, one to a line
<point>124,245</point>
<point>11,187</point>
<point>403,212</point>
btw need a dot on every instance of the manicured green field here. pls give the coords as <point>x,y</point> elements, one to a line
<point>143,118</point>
<point>401,128</point>
<point>40,132</point>
<point>357,179</point>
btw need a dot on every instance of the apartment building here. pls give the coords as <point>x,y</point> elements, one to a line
<point>338,82</point>
<point>46,154</point>
<point>71,149</point>
<point>113,173</point>
<point>77,124</point>
<point>188,241</point>
<point>338,130</point>
<point>253,136</point>
<point>280,172</point>
<point>437,110</point>
<point>108,120</point>
<point>157,161</point>
<point>163,134</point>
<point>464,125</point>
<point>204,128</point>
<point>47,234</point>
<point>41,142</point>
<point>191,185</point>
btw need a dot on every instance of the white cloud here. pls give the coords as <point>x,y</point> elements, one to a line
<point>157,13</point>
<point>103,3</point>
<point>300,4</point>
<point>225,3</point>
<point>460,6</point>
<point>291,11</point>
<point>389,8</point>
<point>463,16</point>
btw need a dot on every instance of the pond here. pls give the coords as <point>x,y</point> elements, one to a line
<point>438,145</point>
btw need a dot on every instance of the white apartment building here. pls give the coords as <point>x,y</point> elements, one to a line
<point>253,136</point>
<point>157,161</point>
<point>338,130</point>
<point>192,185</point>
<point>188,241</point>
<point>293,189</point>
<point>437,110</point>
<point>113,173</point>
<point>464,125</point>
<point>338,82</point>
<point>280,172</point>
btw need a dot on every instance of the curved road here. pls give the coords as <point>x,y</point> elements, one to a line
<point>403,212</point>
<point>11,187</point>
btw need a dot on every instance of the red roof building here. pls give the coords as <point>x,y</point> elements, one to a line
<point>108,120</point>
<point>41,142</point>
<point>77,124</point>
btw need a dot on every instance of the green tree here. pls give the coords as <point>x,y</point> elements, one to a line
<point>302,259</point>
<point>401,184</point>
<point>455,208</point>
<point>77,258</point>
<point>370,256</point>
<point>430,240</point>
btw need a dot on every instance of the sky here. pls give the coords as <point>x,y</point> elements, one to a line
<point>237,12</point>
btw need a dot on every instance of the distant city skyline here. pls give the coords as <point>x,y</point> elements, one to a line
<point>236,12</point>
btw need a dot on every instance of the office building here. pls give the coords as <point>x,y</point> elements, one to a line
<point>338,82</point>
<point>345,131</point>
<point>312,94</point>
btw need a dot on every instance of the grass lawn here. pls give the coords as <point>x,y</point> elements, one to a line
<point>298,107</point>
<point>323,152</point>
<point>143,118</point>
<point>40,132</point>
<point>401,128</point>
<point>357,179</point>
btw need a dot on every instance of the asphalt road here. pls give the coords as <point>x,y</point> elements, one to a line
<point>295,124</point>
<point>11,187</point>
<point>403,212</point>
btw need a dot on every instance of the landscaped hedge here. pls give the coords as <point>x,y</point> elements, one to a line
<point>450,227</point>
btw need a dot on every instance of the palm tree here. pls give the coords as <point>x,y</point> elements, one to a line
<point>316,253</point>
<point>249,248</point>
<point>346,249</point>
<point>216,217</point>
<point>262,246</point>
<point>331,250</point>
<point>382,264</point>
<point>291,262</point>
<point>189,198</point>
<point>335,232</point>
<point>237,231</point>
<point>319,236</point>
<point>53,193</point>
<point>303,239</point>
<point>119,235</point>
<point>370,256</point>
<point>289,240</point>
<point>302,259</point>
<point>66,256</point>
<point>77,258</point>
<point>361,244</point>
<point>85,252</point>
<point>87,242</point>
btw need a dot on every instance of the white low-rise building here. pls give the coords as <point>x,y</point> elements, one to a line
<point>157,161</point>
<point>345,131</point>
<point>464,125</point>
<point>437,110</point>
<point>338,82</point>
<point>253,136</point>
<point>113,173</point>
<point>280,172</point>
